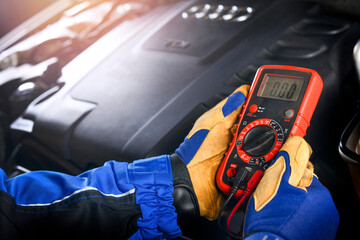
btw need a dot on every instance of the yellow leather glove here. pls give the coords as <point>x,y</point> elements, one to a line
<point>290,202</point>
<point>204,148</point>
<point>301,175</point>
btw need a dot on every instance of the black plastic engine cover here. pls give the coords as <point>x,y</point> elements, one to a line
<point>137,91</point>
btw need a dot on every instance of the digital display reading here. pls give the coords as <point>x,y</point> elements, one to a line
<point>281,87</point>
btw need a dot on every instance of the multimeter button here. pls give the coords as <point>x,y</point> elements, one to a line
<point>231,172</point>
<point>259,141</point>
<point>253,108</point>
<point>289,113</point>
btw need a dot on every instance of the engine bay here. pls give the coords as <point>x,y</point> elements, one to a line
<point>125,80</point>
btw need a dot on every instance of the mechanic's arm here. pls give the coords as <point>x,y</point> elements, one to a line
<point>121,200</point>
<point>115,201</point>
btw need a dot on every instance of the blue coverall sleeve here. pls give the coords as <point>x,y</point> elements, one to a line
<point>118,200</point>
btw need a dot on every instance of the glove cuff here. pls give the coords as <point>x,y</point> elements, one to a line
<point>185,200</point>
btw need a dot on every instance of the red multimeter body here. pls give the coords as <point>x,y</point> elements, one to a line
<point>280,103</point>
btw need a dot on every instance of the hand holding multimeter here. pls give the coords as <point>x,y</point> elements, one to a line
<point>280,103</point>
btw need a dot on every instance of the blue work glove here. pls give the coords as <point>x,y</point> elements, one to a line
<point>204,148</point>
<point>290,202</point>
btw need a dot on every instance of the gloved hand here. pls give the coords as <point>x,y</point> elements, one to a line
<point>204,148</point>
<point>290,202</point>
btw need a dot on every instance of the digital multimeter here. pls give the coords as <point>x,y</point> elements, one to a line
<point>280,103</point>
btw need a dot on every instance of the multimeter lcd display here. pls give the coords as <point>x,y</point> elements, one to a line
<point>281,87</point>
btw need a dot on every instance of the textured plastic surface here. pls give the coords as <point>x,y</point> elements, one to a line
<point>131,98</point>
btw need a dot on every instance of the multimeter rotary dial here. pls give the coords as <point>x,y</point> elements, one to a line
<point>259,141</point>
